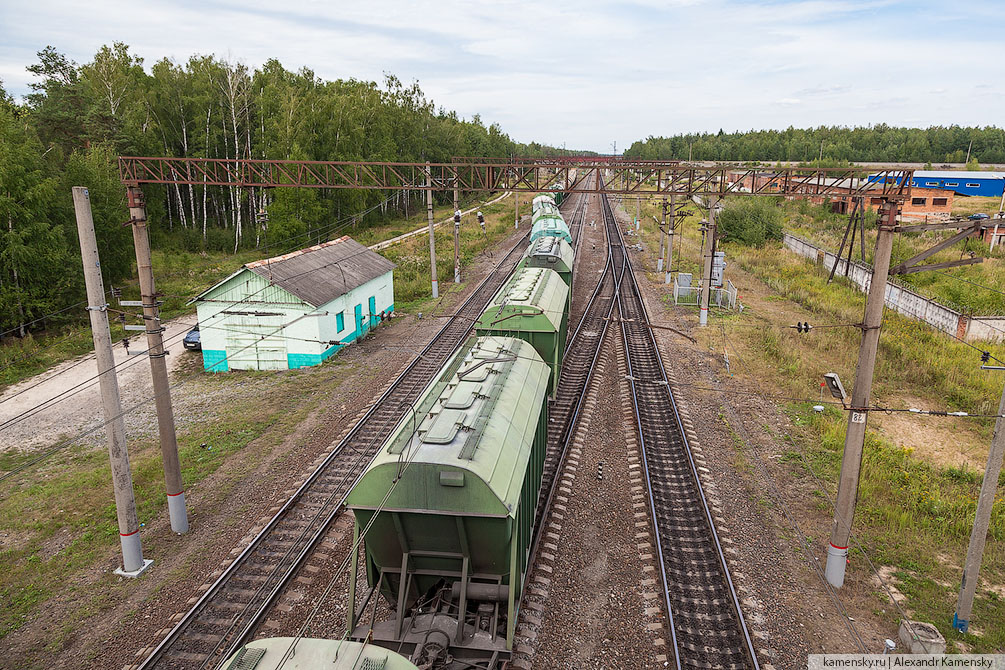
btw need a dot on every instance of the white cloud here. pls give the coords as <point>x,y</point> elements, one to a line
<point>584,73</point>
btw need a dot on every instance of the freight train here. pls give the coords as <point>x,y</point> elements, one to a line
<point>446,509</point>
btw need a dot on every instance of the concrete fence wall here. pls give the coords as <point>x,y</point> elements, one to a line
<point>905,301</point>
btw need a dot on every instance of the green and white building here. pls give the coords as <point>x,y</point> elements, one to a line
<point>294,310</point>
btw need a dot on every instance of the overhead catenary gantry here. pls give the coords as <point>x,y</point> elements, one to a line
<point>622,176</point>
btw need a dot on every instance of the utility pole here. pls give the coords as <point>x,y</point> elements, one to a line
<point>158,366</point>
<point>432,232</point>
<point>851,462</point>
<point>457,231</point>
<point>707,254</point>
<point>133,564</point>
<point>673,219</point>
<point>975,552</point>
<point>659,263</point>
<point>457,246</point>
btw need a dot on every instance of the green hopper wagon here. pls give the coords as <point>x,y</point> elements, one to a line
<point>290,653</point>
<point>534,306</point>
<point>553,253</point>
<point>550,226</point>
<point>447,504</point>
<point>540,201</point>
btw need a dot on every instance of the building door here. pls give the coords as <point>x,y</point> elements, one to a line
<point>360,325</point>
<point>372,304</point>
<point>256,342</point>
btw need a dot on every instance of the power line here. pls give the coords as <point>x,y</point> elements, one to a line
<point>31,411</point>
<point>71,440</point>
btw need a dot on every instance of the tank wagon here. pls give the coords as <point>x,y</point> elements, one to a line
<point>553,253</point>
<point>291,653</point>
<point>533,306</point>
<point>448,505</point>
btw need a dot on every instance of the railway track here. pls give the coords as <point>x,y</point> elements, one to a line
<point>580,360</point>
<point>706,623</point>
<point>228,613</point>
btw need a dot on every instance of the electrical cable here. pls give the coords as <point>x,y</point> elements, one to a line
<point>60,446</point>
<point>30,411</point>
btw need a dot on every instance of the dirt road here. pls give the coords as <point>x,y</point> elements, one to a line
<point>65,400</point>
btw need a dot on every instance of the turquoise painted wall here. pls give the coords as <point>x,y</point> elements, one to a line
<point>306,360</point>
<point>214,361</point>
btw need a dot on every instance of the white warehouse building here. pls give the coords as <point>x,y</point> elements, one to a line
<point>294,310</point>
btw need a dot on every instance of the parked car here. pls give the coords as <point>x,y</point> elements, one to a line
<point>979,216</point>
<point>192,341</point>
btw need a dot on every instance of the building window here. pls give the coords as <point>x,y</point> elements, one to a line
<point>931,183</point>
<point>973,185</point>
<point>875,201</point>
<point>940,202</point>
<point>919,201</point>
<point>339,322</point>
<point>952,183</point>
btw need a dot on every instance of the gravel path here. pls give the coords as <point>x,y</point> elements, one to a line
<point>61,401</point>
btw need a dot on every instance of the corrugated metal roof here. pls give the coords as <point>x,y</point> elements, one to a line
<point>962,174</point>
<point>321,273</point>
<point>950,174</point>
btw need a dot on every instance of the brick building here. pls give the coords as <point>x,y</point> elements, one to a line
<point>922,204</point>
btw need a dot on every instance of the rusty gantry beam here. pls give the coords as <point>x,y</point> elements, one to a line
<point>621,177</point>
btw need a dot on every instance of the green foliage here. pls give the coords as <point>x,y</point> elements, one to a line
<point>79,118</point>
<point>936,144</point>
<point>750,221</point>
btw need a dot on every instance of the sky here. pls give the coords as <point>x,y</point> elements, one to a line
<point>583,74</point>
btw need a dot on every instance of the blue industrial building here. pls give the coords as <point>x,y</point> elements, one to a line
<point>964,183</point>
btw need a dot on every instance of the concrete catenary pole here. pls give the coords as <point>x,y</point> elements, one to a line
<point>457,231</point>
<point>158,366</point>
<point>516,209</point>
<point>457,246</point>
<point>115,426</point>
<point>982,520</point>
<point>707,254</point>
<point>669,227</point>
<point>662,227</point>
<point>851,462</point>
<point>432,231</point>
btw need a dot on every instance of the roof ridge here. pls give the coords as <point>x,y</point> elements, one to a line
<point>294,254</point>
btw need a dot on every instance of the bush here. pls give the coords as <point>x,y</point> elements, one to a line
<point>750,221</point>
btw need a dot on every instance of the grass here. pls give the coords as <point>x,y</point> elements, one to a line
<point>181,275</point>
<point>953,287</point>
<point>913,514</point>
<point>62,514</point>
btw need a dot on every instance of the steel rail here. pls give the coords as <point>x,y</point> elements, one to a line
<point>575,389</point>
<point>176,635</point>
<point>632,292</point>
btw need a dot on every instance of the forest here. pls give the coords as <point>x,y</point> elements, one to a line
<point>833,145</point>
<point>78,118</point>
